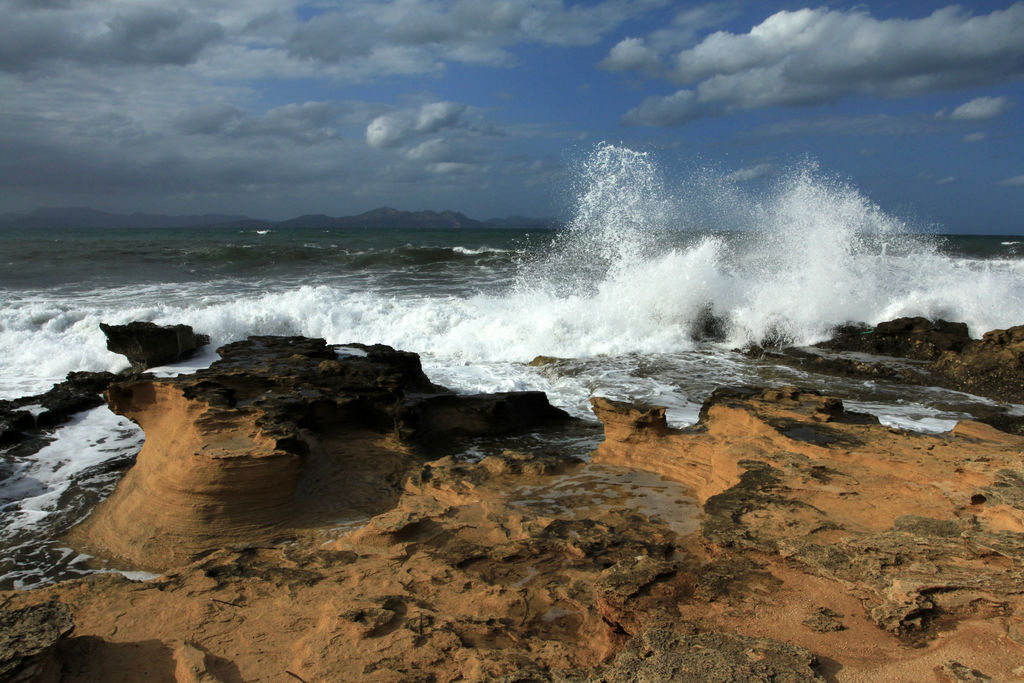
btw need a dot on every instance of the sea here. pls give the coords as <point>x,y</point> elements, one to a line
<point>622,293</point>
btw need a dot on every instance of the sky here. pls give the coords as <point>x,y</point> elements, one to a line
<point>276,108</point>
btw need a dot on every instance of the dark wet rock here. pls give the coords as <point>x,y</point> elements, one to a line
<point>824,620</point>
<point>80,391</point>
<point>708,326</point>
<point>992,366</point>
<point>838,365</point>
<point>30,415</point>
<point>28,637</point>
<point>14,423</point>
<point>541,361</point>
<point>664,656</point>
<point>917,351</point>
<point>917,338</point>
<point>147,344</point>
<point>450,415</point>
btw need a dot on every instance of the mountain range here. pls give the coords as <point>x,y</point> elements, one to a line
<point>384,217</point>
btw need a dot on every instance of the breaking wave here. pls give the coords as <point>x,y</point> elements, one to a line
<point>641,267</point>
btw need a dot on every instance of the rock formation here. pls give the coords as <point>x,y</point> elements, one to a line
<point>940,353</point>
<point>28,640</point>
<point>926,530</point>
<point>917,338</point>
<point>282,434</point>
<point>147,344</point>
<point>992,366</point>
<point>303,534</point>
<point>24,417</point>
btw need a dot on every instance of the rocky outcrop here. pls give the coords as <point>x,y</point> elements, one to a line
<point>991,366</point>
<point>28,640</point>
<point>282,435</point>
<point>148,345</point>
<point>917,338</point>
<point>807,543</point>
<point>288,497</point>
<point>28,416</point>
<point>927,530</point>
<point>919,352</point>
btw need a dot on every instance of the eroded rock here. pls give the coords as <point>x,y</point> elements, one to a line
<point>992,366</point>
<point>791,474</point>
<point>148,345</point>
<point>28,416</point>
<point>28,639</point>
<point>918,338</point>
<point>663,655</point>
<point>282,434</point>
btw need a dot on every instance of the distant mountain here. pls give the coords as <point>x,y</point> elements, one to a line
<point>384,217</point>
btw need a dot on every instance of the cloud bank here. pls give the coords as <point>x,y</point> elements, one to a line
<point>816,56</point>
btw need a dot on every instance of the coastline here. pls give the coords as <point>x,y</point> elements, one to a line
<point>783,536</point>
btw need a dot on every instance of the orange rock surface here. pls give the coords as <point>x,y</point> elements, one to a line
<point>780,538</point>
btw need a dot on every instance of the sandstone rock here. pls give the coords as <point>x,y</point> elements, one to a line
<point>946,545</point>
<point>28,638</point>
<point>282,434</point>
<point>661,655</point>
<point>468,576</point>
<point>191,666</point>
<point>147,344</point>
<point>526,567</point>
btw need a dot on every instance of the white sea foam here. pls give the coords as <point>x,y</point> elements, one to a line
<point>621,279</point>
<point>32,491</point>
<point>480,250</point>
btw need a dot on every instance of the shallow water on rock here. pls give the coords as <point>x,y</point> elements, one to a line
<point>587,492</point>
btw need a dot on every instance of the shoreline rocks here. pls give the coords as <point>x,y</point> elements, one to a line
<point>302,531</point>
<point>792,475</point>
<point>936,353</point>
<point>23,418</point>
<point>148,345</point>
<point>279,435</point>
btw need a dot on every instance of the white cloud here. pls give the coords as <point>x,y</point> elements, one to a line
<point>749,173</point>
<point>628,54</point>
<point>666,111</point>
<point>814,56</point>
<point>973,137</point>
<point>450,167</point>
<point>946,181</point>
<point>437,115</point>
<point>981,108</point>
<point>1015,181</point>
<point>465,31</point>
<point>391,130</point>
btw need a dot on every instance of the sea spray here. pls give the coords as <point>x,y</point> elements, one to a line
<point>635,272</point>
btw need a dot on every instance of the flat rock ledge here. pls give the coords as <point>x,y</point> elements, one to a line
<point>926,530</point>
<point>937,353</point>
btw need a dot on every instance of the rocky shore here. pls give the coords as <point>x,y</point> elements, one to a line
<point>297,503</point>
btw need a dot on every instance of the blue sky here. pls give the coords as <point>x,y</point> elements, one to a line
<point>275,108</point>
